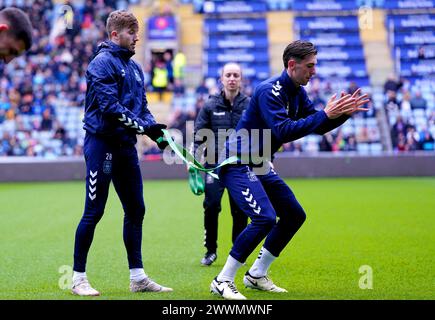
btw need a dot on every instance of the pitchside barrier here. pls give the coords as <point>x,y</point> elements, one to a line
<point>15,169</point>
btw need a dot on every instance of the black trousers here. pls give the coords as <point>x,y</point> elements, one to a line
<point>212,207</point>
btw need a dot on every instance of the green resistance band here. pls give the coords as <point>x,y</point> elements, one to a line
<point>190,160</point>
<point>196,182</point>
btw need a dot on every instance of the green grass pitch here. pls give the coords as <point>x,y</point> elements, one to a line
<point>384,223</point>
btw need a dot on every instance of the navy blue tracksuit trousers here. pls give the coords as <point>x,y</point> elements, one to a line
<point>263,198</point>
<point>214,191</point>
<point>106,161</point>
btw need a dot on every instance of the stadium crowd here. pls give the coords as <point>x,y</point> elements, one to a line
<point>35,87</point>
<point>42,93</point>
<point>409,116</point>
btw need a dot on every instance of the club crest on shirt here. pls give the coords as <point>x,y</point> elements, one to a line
<point>107,167</point>
<point>251,176</point>
<point>209,179</point>
<point>122,73</point>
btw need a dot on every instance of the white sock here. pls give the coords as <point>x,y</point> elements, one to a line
<point>137,274</point>
<point>262,263</point>
<point>78,275</point>
<point>229,270</point>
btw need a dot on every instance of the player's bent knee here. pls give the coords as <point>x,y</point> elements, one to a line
<point>301,216</point>
<point>266,222</point>
<point>294,218</point>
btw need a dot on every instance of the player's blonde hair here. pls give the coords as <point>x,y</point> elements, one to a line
<point>119,20</point>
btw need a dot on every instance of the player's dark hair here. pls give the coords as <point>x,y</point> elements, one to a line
<point>298,50</point>
<point>20,25</point>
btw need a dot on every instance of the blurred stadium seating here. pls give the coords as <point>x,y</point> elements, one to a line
<point>386,47</point>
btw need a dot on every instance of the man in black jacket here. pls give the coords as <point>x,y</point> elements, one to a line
<point>220,113</point>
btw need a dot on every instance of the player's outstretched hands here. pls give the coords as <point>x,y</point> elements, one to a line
<point>360,100</point>
<point>347,104</point>
<point>335,108</point>
<point>155,132</point>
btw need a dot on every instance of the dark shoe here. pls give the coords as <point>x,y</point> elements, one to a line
<point>209,258</point>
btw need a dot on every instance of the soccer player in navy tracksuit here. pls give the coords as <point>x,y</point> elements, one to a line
<point>279,107</point>
<point>115,112</point>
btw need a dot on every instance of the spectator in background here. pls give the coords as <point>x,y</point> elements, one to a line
<point>400,143</point>
<point>339,141</point>
<point>352,87</point>
<point>326,142</point>
<point>167,58</point>
<point>399,129</point>
<point>179,119</point>
<point>159,78</point>
<point>179,65</point>
<point>372,110</point>
<point>392,84</point>
<point>327,89</point>
<point>318,102</point>
<point>411,139</point>
<point>47,120</point>
<point>60,134</point>
<point>247,87</point>
<point>405,104</point>
<point>426,141</point>
<point>202,89</point>
<point>421,52</point>
<point>199,104</point>
<point>351,144</point>
<point>391,104</point>
<point>179,88</point>
<point>418,102</point>
<point>5,105</point>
